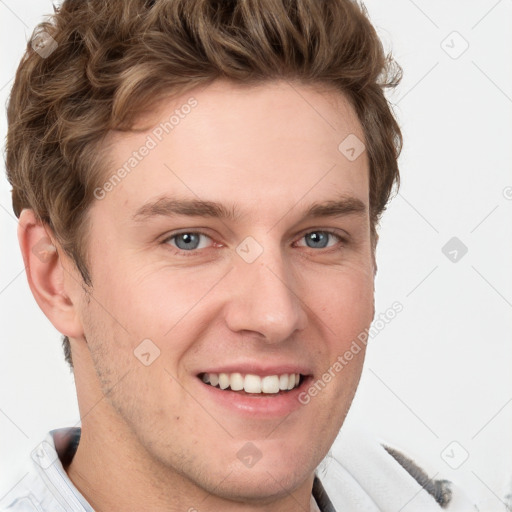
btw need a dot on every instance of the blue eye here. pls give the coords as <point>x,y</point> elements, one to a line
<point>319,239</point>
<point>188,241</point>
<point>192,241</point>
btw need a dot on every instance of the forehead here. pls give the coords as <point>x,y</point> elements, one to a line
<point>277,142</point>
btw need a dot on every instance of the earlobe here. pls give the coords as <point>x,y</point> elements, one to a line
<point>45,271</point>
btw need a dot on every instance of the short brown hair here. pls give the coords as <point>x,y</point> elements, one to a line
<point>103,62</point>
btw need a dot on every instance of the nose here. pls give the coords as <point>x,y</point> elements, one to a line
<point>264,299</point>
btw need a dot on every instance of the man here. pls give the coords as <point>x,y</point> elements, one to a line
<point>198,185</point>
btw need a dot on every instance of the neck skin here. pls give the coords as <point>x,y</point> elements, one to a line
<point>114,472</point>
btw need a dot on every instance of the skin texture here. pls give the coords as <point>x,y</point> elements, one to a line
<point>152,436</point>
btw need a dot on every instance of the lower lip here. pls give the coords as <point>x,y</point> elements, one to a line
<point>257,405</point>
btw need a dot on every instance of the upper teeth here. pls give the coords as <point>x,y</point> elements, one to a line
<point>253,383</point>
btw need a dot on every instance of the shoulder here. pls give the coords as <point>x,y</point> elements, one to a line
<point>362,474</point>
<point>27,495</point>
<point>41,483</point>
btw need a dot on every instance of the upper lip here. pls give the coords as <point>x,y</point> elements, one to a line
<point>258,369</point>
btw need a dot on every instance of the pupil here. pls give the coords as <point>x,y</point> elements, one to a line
<point>318,238</point>
<point>187,240</point>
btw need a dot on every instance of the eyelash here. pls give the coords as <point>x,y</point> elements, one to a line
<point>194,252</point>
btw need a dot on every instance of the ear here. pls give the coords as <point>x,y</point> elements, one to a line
<point>46,274</point>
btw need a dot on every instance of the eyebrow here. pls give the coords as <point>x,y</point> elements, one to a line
<point>168,207</point>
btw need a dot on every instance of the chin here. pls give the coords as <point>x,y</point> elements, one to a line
<point>263,485</point>
<point>283,467</point>
<point>279,471</point>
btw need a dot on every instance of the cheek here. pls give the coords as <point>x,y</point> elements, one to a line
<point>348,312</point>
<point>159,305</point>
<point>144,302</point>
<point>344,301</point>
<point>163,302</point>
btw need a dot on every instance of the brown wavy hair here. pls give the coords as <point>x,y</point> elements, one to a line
<point>96,65</point>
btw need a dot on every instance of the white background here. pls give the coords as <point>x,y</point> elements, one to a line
<point>439,372</point>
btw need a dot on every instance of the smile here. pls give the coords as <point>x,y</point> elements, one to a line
<point>269,384</point>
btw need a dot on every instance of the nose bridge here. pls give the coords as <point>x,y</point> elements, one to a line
<point>265,299</point>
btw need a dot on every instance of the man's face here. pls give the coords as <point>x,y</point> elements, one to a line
<point>264,291</point>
